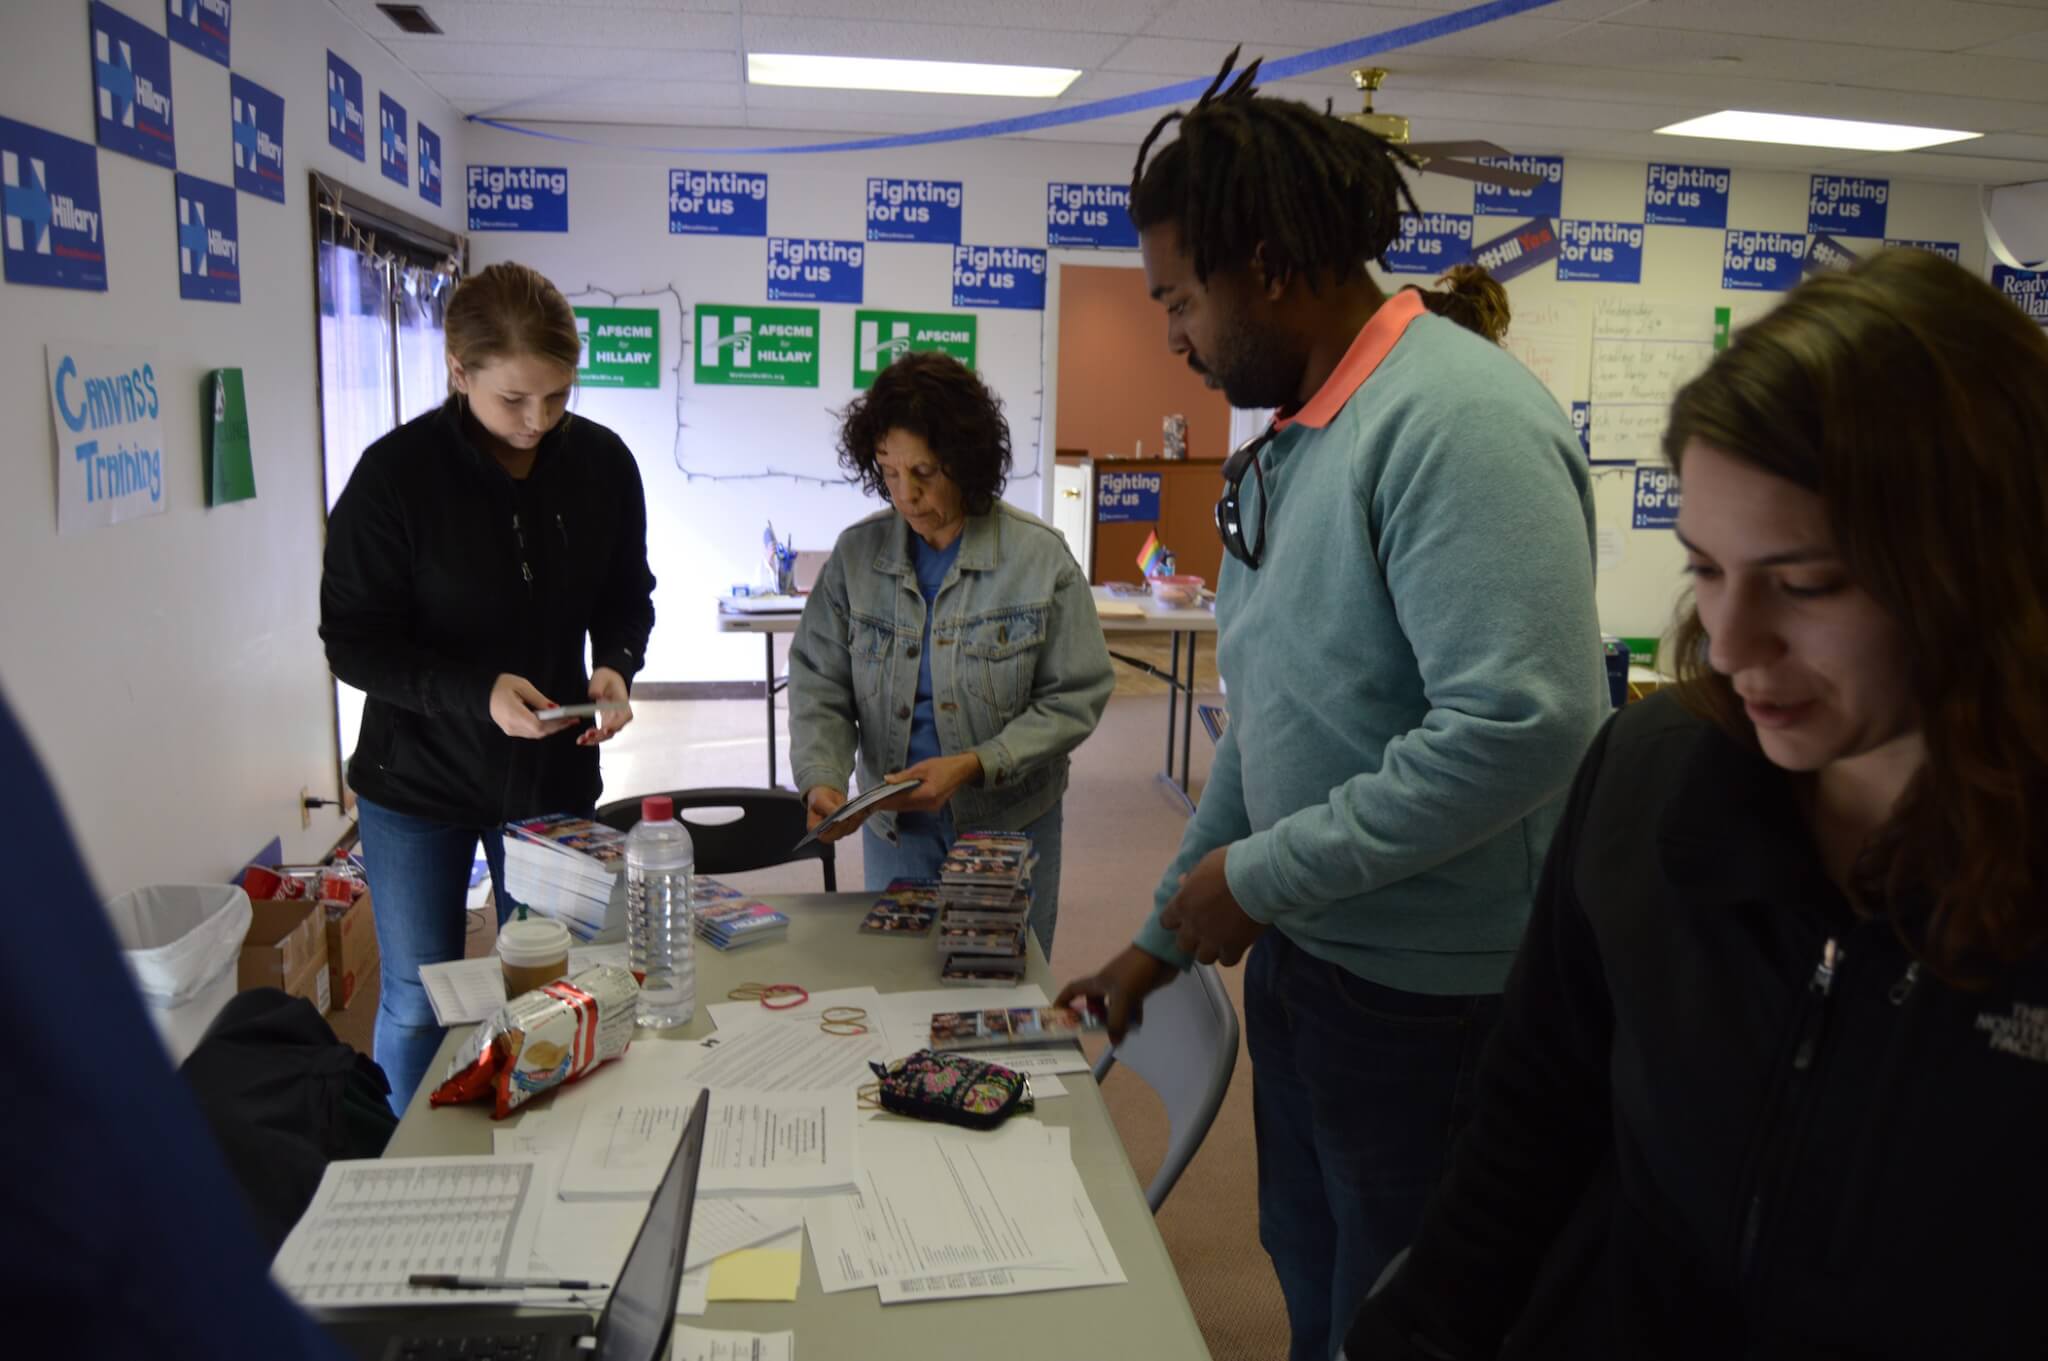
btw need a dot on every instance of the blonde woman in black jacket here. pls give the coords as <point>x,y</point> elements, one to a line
<point>472,555</point>
<point>1772,1073</point>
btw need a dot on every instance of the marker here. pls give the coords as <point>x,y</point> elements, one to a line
<point>442,1282</point>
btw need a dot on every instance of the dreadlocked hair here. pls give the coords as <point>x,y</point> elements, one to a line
<point>1321,195</point>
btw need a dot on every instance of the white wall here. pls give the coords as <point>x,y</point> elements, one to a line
<point>705,531</point>
<point>168,668</point>
<point>1683,265</point>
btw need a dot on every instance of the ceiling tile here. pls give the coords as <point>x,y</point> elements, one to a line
<point>600,64</point>
<point>1972,74</point>
<point>1937,165</point>
<point>1920,25</point>
<point>660,117</point>
<point>472,21</point>
<point>2027,46</point>
<point>926,42</point>
<point>1080,16</point>
<point>1300,23</point>
<point>1712,54</point>
<point>518,98</point>
<point>1181,58</point>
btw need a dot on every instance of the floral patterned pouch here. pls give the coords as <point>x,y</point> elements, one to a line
<point>952,1088</point>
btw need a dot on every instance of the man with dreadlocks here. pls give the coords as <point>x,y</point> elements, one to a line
<point>1412,661</point>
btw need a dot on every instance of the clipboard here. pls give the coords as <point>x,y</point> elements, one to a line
<point>854,807</point>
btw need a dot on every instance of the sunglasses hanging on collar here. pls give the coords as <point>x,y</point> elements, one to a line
<point>1230,508</point>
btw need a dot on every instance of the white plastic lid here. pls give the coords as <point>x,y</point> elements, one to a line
<point>537,940</point>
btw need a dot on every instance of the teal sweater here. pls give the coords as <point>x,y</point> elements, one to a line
<point>1412,674</point>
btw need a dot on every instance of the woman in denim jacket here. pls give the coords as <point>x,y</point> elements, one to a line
<point>951,639</point>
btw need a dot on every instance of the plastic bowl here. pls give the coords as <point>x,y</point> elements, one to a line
<point>1177,593</point>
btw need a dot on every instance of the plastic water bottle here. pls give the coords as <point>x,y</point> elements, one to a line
<point>660,922</point>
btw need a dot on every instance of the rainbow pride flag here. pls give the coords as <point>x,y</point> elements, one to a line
<point>1152,556</point>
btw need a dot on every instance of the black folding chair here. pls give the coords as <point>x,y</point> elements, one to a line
<point>771,821</point>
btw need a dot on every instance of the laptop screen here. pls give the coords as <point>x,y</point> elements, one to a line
<point>637,1319</point>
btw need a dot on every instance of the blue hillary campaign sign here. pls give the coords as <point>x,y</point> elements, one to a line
<point>1761,261</point>
<point>915,210</point>
<point>1093,215</point>
<point>717,203</point>
<point>1600,252</point>
<point>999,276</point>
<point>393,143</point>
<point>202,25</point>
<point>1657,499</point>
<point>1951,251</point>
<point>1124,497</point>
<point>1687,196</point>
<point>344,107</point>
<point>1847,205</point>
<point>50,210</point>
<point>806,269</point>
<point>1518,250</point>
<point>1824,252</point>
<point>1545,200</point>
<point>2026,289</point>
<point>257,117</point>
<point>518,198</point>
<point>131,83</point>
<point>1430,243</point>
<point>209,244</point>
<point>429,145</point>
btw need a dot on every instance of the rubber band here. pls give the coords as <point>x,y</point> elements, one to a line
<point>766,993</point>
<point>844,1014</point>
<point>842,1027</point>
<point>868,1096</point>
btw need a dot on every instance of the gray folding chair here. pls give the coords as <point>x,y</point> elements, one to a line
<point>1186,1050</point>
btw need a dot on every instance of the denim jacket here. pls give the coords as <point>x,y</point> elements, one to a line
<point>1020,672</point>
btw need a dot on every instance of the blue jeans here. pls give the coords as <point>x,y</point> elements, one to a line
<point>419,878</point>
<point>920,848</point>
<point>1357,1093</point>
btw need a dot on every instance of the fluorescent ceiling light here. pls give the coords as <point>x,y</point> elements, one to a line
<point>1791,129</point>
<point>920,77</point>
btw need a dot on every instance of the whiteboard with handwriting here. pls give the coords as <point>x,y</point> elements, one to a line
<point>1643,353</point>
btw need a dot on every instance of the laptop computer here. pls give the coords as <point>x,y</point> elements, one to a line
<point>634,1326</point>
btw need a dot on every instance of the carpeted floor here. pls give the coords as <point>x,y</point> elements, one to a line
<point>1121,828</point>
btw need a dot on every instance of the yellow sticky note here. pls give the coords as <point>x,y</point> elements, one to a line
<point>756,1274</point>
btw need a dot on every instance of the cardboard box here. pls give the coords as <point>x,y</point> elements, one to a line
<point>286,947</point>
<point>351,948</point>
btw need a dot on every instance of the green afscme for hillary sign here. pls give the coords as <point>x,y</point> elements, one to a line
<point>882,338</point>
<point>621,347</point>
<point>757,346</point>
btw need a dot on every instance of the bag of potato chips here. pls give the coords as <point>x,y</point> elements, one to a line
<point>542,1039</point>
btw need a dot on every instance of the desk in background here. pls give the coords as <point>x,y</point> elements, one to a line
<point>1149,1317</point>
<point>1185,626</point>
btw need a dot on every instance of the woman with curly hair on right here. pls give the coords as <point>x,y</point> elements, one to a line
<point>951,638</point>
<point>1771,1076</point>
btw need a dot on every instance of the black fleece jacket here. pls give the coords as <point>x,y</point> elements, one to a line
<point>443,572</point>
<point>1724,1117</point>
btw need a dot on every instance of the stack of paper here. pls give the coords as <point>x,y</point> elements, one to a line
<point>948,1215</point>
<point>563,867</point>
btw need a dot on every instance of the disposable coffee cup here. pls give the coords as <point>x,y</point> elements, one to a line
<point>534,952</point>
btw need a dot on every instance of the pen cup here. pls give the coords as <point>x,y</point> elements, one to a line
<point>533,953</point>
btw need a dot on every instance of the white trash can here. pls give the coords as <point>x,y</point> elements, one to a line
<point>182,944</point>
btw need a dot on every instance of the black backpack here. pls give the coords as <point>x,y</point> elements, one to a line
<point>284,1097</point>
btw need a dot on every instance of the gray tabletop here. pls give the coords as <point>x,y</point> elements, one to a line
<point>1149,1317</point>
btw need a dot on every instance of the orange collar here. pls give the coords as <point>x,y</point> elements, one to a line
<point>1375,341</point>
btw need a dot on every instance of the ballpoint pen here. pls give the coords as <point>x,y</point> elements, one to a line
<point>450,1282</point>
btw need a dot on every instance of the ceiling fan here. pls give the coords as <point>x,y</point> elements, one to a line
<point>1436,158</point>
